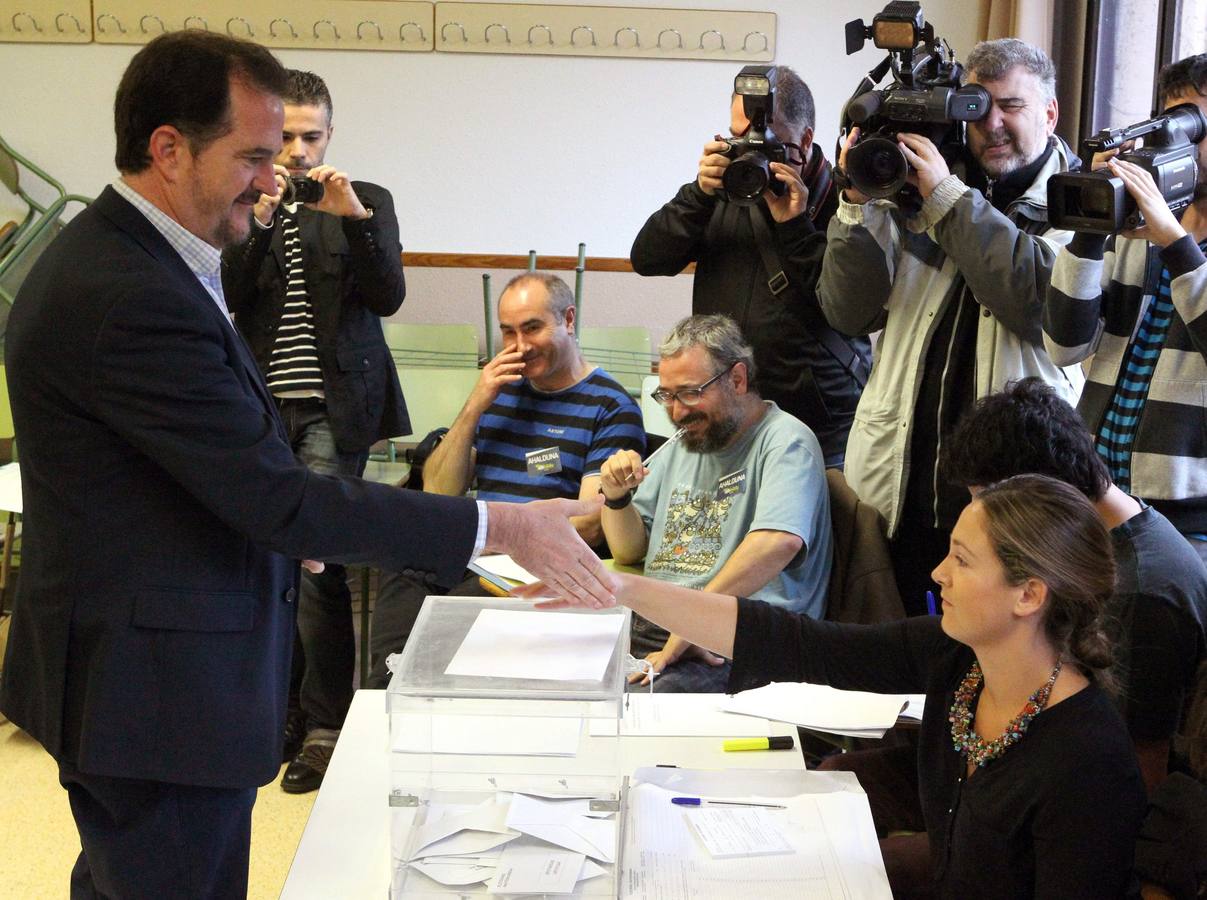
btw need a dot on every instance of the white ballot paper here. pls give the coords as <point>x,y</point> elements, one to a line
<point>516,643</point>
<point>460,830</point>
<point>822,708</point>
<point>679,715</point>
<point>494,735</point>
<point>562,824</point>
<point>454,872</point>
<point>529,868</point>
<point>732,831</point>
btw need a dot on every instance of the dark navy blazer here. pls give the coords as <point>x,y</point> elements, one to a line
<point>164,514</point>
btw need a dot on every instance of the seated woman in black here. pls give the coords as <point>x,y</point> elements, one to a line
<point>1029,784</point>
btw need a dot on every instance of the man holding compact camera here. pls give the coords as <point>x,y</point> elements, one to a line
<point>753,222</point>
<point>956,287</point>
<point>308,290</point>
<point>1136,302</point>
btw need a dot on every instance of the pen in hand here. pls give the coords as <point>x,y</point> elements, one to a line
<point>670,440</point>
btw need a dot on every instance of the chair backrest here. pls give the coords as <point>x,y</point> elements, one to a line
<point>434,396</point>
<point>863,588</point>
<point>622,350</point>
<point>653,413</point>
<point>442,346</point>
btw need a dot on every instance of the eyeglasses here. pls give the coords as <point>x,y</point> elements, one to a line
<point>687,396</point>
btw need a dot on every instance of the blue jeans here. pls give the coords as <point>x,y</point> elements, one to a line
<point>324,658</point>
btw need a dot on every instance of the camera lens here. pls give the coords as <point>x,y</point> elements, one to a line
<point>877,167</point>
<point>1090,201</point>
<point>747,177</point>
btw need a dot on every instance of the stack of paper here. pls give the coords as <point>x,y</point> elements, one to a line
<point>515,844</point>
<point>821,708</point>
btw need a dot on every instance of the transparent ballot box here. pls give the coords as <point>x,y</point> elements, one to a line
<point>498,784</point>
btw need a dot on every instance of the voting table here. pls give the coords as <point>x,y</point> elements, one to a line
<point>345,847</point>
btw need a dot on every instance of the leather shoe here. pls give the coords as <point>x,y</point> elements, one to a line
<point>306,772</point>
<point>295,735</point>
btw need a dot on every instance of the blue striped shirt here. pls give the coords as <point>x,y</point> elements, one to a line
<point>527,433</point>
<point>1117,434</point>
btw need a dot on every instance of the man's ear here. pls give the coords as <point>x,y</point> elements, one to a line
<point>806,142</point>
<point>570,318</point>
<point>741,378</point>
<point>169,151</point>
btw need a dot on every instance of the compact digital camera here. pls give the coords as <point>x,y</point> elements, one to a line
<point>299,189</point>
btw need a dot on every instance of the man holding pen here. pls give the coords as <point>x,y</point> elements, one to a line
<point>737,504</point>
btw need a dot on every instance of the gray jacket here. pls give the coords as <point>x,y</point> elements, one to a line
<point>882,271</point>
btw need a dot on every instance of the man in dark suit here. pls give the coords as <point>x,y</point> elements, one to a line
<point>310,310</point>
<point>164,510</point>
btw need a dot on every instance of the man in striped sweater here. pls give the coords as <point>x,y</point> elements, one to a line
<point>539,424</point>
<point>1137,303</point>
<point>308,290</point>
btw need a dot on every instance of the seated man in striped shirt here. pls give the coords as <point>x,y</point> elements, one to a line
<point>539,424</point>
<point>308,290</point>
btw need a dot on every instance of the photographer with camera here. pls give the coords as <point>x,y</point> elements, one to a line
<point>957,288</point>
<point>308,290</point>
<point>753,221</point>
<point>1136,302</point>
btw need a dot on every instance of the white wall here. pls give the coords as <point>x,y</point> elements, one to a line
<point>491,154</point>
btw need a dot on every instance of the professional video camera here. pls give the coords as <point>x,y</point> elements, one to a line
<point>925,97</point>
<point>749,174</point>
<point>299,189</point>
<point>1098,202</point>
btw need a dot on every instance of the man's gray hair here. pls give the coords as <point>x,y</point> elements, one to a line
<point>991,60</point>
<point>561,298</point>
<point>794,108</point>
<point>718,335</point>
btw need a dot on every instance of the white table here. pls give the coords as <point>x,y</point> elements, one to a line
<point>345,848</point>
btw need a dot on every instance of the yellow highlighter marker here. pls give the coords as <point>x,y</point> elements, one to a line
<point>783,742</point>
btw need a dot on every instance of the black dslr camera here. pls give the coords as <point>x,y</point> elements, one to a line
<point>1098,202</point>
<point>299,189</point>
<point>925,98</point>
<point>749,173</point>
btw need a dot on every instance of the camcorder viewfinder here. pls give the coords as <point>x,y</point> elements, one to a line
<point>1098,202</point>
<point>299,189</point>
<point>749,173</point>
<point>925,97</point>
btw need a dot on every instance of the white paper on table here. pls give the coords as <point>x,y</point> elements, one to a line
<point>515,643</point>
<point>452,873</point>
<point>504,566</point>
<point>444,823</point>
<point>820,707</point>
<point>493,735</point>
<point>733,831</point>
<point>835,851</point>
<point>591,870</point>
<point>678,715</point>
<point>560,824</point>
<point>526,868</point>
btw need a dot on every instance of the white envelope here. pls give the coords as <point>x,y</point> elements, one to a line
<point>486,817</point>
<point>454,874</point>
<point>560,824</point>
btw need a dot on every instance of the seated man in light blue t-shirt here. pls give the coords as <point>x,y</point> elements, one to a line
<point>738,504</point>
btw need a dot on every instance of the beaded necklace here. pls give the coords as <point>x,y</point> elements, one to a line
<point>971,745</point>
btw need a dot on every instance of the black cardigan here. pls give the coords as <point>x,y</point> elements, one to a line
<point>1055,816</point>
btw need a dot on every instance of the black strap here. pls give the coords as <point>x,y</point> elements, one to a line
<point>831,341</point>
